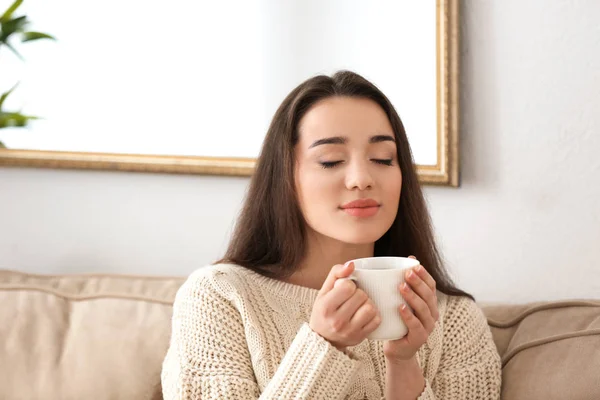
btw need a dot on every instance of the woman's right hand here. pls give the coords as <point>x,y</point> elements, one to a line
<point>342,313</point>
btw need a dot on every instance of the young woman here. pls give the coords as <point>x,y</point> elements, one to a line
<point>335,181</point>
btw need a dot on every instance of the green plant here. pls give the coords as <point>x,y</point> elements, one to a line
<point>15,27</point>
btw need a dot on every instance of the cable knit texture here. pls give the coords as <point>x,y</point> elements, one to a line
<point>239,335</point>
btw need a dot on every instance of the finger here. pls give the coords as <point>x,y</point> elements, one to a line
<point>342,291</point>
<point>364,314</point>
<point>338,281</point>
<point>420,307</point>
<point>372,325</point>
<point>338,271</point>
<point>427,278</point>
<point>413,257</point>
<point>424,290</point>
<point>417,335</point>
<point>347,309</point>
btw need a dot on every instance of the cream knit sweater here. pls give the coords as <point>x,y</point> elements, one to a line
<point>239,335</point>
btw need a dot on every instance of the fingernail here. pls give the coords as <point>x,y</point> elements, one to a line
<point>419,268</point>
<point>347,264</point>
<point>411,275</point>
<point>406,287</point>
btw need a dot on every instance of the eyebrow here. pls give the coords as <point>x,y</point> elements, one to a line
<point>344,140</point>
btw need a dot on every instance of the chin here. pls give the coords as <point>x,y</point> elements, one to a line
<point>361,237</point>
<point>356,234</point>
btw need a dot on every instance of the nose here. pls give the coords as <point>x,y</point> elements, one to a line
<point>358,177</point>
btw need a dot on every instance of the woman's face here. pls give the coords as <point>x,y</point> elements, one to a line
<point>347,152</point>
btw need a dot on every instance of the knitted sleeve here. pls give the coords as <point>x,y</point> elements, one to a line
<point>209,358</point>
<point>470,365</point>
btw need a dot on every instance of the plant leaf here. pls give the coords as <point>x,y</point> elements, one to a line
<point>5,95</point>
<point>12,26</point>
<point>29,36</point>
<point>14,51</point>
<point>14,119</point>
<point>8,13</point>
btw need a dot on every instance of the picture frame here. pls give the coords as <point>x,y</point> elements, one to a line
<point>444,172</point>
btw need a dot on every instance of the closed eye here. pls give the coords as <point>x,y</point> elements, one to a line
<point>329,164</point>
<point>387,162</point>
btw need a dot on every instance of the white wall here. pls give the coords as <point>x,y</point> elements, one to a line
<point>525,225</point>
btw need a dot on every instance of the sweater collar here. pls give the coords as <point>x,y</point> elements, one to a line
<point>289,291</point>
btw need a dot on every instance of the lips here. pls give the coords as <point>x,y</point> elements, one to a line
<point>361,203</point>
<point>361,208</point>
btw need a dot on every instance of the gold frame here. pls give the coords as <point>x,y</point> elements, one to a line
<point>445,172</point>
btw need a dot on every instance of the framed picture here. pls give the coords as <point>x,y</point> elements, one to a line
<point>191,87</point>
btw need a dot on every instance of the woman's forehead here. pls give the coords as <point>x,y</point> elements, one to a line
<point>344,117</point>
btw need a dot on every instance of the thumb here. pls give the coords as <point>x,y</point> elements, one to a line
<point>338,271</point>
<point>413,257</point>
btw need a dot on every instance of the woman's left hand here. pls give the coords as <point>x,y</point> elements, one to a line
<point>419,292</point>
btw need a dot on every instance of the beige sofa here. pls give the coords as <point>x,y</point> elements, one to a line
<point>104,337</point>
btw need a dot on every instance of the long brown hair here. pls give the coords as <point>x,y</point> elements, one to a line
<point>270,235</point>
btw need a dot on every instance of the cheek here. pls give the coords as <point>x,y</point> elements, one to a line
<point>318,184</point>
<point>394,188</point>
<point>306,187</point>
<point>315,192</point>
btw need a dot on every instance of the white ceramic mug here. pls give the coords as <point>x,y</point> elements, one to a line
<point>379,278</point>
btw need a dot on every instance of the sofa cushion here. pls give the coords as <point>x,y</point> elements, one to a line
<point>83,336</point>
<point>549,350</point>
<point>105,336</point>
